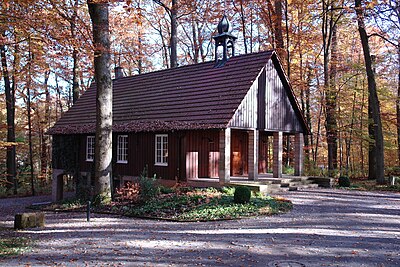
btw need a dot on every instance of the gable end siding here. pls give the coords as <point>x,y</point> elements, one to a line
<point>279,112</point>
<point>246,114</point>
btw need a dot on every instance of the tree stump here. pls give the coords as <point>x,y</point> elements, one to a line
<point>29,220</point>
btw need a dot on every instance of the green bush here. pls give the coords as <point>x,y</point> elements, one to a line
<point>344,181</point>
<point>288,170</point>
<point>229,191</point>
<point>166,190</point>
<point>242,195</point>
<point>148,186</point>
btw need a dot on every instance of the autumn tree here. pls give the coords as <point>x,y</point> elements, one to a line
<point>387,17</point>
<point>172,11</point>
<point>130,45</point>
<point>102,62</point>
<point>332,11</point>
<point>373,96</point>
<point>9,86</point>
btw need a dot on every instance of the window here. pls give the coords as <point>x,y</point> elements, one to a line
<point>122,149</point>
<point>161,150</point>
<point>90,148</point>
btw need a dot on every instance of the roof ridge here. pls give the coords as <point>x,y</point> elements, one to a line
<point>193,65</point>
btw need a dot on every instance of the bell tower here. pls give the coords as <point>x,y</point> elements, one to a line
<point>224,39</point>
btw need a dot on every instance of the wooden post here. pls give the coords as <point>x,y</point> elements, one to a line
<point>278,149</point>
<point>225,156</point>
<point>253,155</point>
<point>57,185</point>
<point>298,154</point>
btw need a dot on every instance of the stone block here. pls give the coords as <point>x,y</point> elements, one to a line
<point>29,220</point>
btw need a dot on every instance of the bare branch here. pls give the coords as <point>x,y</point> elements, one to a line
<point>384,38</point>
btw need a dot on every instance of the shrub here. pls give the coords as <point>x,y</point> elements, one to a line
<point>242,195</point>
<point>288,170</point>
<point>148,186</point>
<point>166,190</point>
<point>101,199</point>
<point>230,191</point>
<point>129,192</point>
<point>344,181</point>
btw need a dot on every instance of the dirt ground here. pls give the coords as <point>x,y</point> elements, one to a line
<point>327,227</point>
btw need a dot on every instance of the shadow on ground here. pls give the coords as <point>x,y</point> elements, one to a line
<point>326,228</point>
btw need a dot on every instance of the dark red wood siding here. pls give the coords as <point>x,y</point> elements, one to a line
<point>85,166</point>
<point>201,153</point>
<point>141,153</point>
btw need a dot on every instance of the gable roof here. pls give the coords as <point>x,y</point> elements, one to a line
<point>196,96</point>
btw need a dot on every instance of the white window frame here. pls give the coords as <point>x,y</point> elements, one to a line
<point>122,149</point>
<point>160,159</point>
<point>90,144</point>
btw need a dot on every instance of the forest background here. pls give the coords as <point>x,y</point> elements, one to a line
<point>46,54</point>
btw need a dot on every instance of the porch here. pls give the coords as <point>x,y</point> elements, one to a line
<point>248,156</point>
<point>266,183</point>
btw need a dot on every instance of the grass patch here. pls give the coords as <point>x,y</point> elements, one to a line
<point>13,246</point>
<point>197,207</point>
<point>187,204</point>
<point>370,185</point>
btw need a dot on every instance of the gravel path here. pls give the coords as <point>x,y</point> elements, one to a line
<point>326,228</point>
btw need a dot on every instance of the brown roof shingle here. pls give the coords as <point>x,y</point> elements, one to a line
<point>196,96</point>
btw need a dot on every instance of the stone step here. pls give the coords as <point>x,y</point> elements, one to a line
<point>270,185</point>
<point>323,181</point>
<point>262,188</point>
<point>308,186</point>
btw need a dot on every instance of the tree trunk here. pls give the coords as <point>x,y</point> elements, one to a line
<point>28,107</point>
<point>243,21</point>
<point>59,101</point>
<point>32,171</point>
<point>278,29</point>
<point>361,127</point>
<point>75,68</point>
<point>375,108</point>
<point>309,140</point>
<point>398,104</point>
<point>330,97</point>
<point>140,59</point>
<point>371,143</point>
<point>102,64</point>
<point>287,39</point>
<point>196,49</point>
<point>45,124</point>
<point>140,42</point>
<point>174,35</point>
<point>10,107</point>
<point>349,140</point>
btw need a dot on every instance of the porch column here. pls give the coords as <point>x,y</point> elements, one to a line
<point>277,154</point>
<point>224,169</point>
<point>253,155</point>
<point>298,154</point>
<point>57,189</point>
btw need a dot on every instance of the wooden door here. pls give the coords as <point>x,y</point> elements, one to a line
<point>239,153</point>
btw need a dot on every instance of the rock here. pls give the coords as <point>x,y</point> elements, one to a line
<point>29,220</point>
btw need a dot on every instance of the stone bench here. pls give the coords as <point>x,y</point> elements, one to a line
<point>29,220</point>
